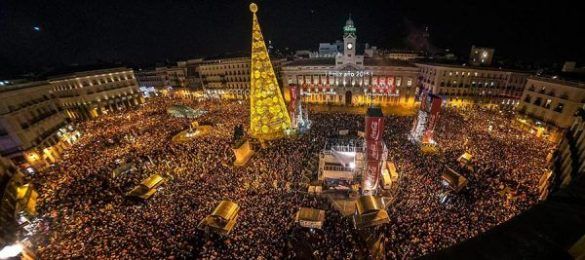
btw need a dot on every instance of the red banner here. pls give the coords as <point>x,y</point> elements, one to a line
<point>294,95</point>
<point>374,128</point>
<point>371,175</point>
<point>294,91</point>
<point>435,109</point>
<point>375,150</point>
<point>392,84</point>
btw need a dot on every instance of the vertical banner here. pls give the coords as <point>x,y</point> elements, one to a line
<point>422,95</point>
<point>374,128</point>
<point>392,85</point>
<point>434,110</point>
<point>374,149</point>
<point>294,95</point>
<point>423,100</point>
<point>294,98</point>
<point>371,175</point>
<point>418,128</point>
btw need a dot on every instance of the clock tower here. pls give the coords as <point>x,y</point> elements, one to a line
<point>349,40</point>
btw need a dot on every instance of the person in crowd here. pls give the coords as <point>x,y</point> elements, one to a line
<point>83,211</point>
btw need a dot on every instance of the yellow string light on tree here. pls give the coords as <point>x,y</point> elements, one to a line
<point>268,114</point>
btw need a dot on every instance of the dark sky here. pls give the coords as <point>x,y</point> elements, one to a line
<point>145,32</point>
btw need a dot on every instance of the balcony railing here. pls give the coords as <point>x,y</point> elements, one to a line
<point>39,118</point>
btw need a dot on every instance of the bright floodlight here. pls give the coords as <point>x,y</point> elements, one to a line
<point>10,251</point>
<point>352,165</point>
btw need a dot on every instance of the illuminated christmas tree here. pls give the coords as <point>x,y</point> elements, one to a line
<point>268,115</point>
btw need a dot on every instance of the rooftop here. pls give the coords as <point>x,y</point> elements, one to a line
<point>467,66</point>
<point>229,55</point>
<point>367,62</point>
<point>87,73</point>
<point>387,62</point>
<point>312,62</point>
<point>22,85</point>
<point>574,81</point>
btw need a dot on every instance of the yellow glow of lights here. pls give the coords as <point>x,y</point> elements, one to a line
<point>268,115</point>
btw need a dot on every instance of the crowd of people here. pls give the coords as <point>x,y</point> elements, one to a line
<point>83,210</point>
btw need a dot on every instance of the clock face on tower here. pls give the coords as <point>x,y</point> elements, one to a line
<point>349,46</point>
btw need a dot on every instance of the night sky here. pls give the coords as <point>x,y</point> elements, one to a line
<point>142,32</point>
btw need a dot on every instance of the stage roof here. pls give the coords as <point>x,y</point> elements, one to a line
<point>367,204</point>
<point>311,214</point>
<point>225,210</point>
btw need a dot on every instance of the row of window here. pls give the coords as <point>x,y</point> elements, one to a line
<point>237,85</point>
<point>551,92</point>
<point>474,93</point>
<point>105,98</point>
<point>433,72</point>
<point>473,84</point>
<point>31,119</point>
<point>539,101</point>
<point>29,102</point>
<point>224,67</point>
<point>101,88</point>
<point>237,79</point>
<point>365,80</point>
<point>87,83</point>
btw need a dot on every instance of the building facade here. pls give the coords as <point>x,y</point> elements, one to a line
<point>329,50</point>
<point>568,160</point>
<point>552,101</point>
<point>465,85</point>
<point>32,126</point>
<point>160,77</point>
<point>174,76</point>
<point>220,78</point>
<point>403,55</point>
<point>351,79</point>
<point>226,78</point>
<point>84,95</point>
<point>193,77</point>
<point>149,78</point>
<point>17,203</point>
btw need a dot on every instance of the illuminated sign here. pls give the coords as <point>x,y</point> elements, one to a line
<point>384,94</point>
<point>349,73</point>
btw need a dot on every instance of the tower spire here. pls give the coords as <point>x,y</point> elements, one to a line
<point>349,28</point>
<point>268,115</point>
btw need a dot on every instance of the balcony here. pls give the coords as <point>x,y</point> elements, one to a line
<point>39,118</point>
<point>27,104</point>
<point>41,138</point>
